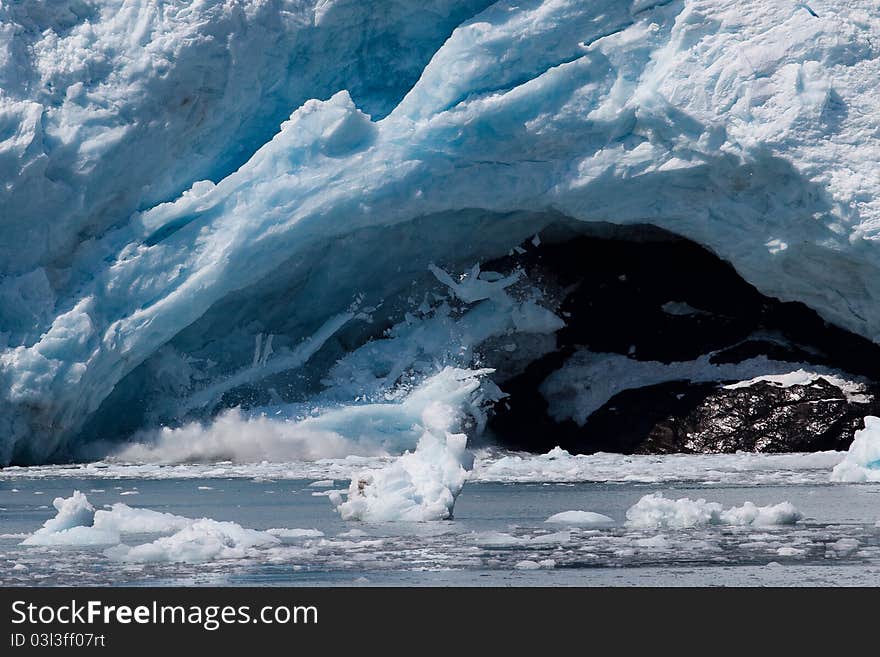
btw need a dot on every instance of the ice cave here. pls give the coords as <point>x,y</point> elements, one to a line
<point>292,230</point>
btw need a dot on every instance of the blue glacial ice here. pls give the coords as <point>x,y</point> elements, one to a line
<point>168,252</point>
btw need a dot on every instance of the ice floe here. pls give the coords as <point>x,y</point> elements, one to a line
<point>655,511</point>
<point>581,518</point>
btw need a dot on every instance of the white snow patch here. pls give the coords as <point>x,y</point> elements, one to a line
<point>588,380</point>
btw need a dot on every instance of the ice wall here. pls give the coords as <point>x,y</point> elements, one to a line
<point>748,126</point>
<point>111,106</point>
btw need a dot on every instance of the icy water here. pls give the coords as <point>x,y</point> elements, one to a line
<point>498,537</point>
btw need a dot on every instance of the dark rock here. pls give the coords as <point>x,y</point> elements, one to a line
<point>763,417</point>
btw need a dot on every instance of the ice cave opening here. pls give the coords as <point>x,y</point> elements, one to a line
<point>599,338</point>
<point>666,349</point>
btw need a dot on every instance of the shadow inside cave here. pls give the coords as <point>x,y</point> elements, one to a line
<point>647,295</point>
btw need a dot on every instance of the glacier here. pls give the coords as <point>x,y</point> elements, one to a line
<point>212,204</point>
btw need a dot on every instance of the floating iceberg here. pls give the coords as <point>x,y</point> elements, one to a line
<point>202,540</point>
<point>181,539</point>
<point>77,523</point>
<point>124,519</point>
<point>156,220</point>
<point>862,461</point>
<point>418,486</point>
<point>655,511</point>
<point>582,518</point>
<point>72,525</point>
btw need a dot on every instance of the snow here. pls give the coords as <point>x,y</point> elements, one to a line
<point>654,511</point>
<point>588,380</point>
<point>158,223</point>
<point>853,390</point>
<point>582,518</point>
<point>862,461</point>
<point>124,519</point>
